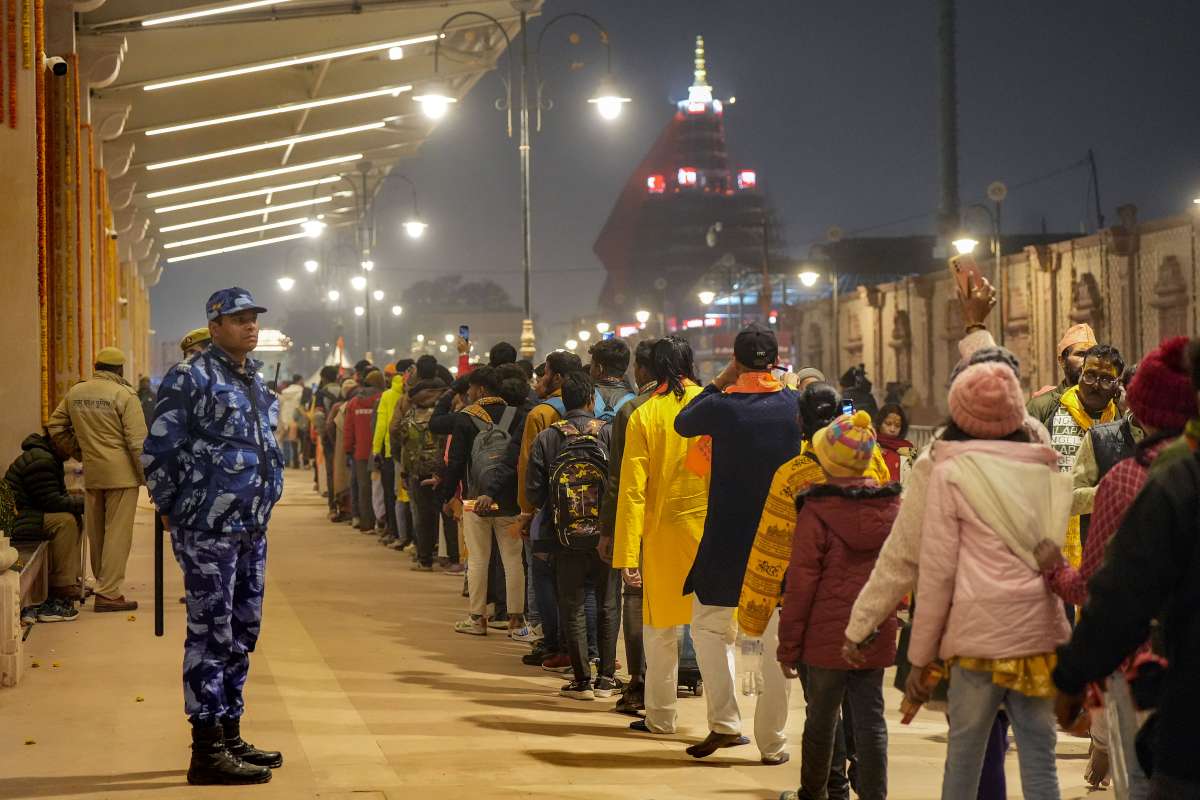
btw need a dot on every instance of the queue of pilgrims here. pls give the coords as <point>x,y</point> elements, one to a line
<point>1034,567</point>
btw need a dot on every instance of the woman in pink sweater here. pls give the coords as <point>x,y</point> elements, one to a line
<point>982,605</point>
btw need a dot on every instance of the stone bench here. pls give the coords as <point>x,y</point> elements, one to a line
<point>27,587</point>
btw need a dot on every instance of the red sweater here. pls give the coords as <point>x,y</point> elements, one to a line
<point>360,423</point>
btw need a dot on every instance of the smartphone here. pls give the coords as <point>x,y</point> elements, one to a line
<point>464,332</point>
<point>607,335</point>
<point>847,406</point>
<point>966,273</point>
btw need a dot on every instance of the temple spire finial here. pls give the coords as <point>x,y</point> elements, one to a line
<point>700,90</point>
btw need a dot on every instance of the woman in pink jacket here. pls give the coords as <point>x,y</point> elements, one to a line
<point>982,606</point>
<point>840,528</point>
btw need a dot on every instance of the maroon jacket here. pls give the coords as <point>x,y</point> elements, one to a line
<point>360,423</point>
<point>839,530</point>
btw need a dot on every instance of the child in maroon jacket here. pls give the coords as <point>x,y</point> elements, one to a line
<point>840,529</point>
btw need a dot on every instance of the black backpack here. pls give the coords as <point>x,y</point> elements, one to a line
<point>578,479</point>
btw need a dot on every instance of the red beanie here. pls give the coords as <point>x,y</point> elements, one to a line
<point>1161,394</point>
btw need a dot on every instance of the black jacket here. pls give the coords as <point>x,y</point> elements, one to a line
<point>503,486</point>
<point>1151,571</point>
<point>39,487</point>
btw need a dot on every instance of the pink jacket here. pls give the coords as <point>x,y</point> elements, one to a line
<point>974,596</point>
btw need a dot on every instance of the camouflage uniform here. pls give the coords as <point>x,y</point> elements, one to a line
<point>214,468</point>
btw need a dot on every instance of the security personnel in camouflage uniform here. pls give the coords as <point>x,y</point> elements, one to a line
<point>215,471</point>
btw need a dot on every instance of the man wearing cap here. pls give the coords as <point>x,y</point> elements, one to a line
<point>752,420</point>
<point>215,471</point>
<point>1077,340</point>
<point>105,417</point>
<point>195,341</point>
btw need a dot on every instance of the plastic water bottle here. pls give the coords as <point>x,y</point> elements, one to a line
<point>752,656</point>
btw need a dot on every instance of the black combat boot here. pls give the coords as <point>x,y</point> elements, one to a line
<point>240,748</point>
<point>212,764</point>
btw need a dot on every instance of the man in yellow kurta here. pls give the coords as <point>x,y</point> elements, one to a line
<point>660,518</point>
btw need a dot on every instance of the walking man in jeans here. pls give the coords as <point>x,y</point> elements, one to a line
<point>577,567</point>
<point>215,472</point>
<point>753,423</point>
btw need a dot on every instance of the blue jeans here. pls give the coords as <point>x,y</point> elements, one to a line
<point>974,701</point>
<point>545,592</point>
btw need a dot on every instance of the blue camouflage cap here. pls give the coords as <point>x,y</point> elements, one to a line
<point>231,301</point>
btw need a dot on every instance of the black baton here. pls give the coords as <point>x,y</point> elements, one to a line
<point>158,574</point>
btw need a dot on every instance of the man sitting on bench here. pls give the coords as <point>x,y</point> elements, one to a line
<point>46,512</point>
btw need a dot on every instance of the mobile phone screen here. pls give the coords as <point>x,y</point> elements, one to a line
<point>464,332</point>
<point>847,406</point>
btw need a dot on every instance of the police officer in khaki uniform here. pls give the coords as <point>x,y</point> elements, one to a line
<point>105,417</point>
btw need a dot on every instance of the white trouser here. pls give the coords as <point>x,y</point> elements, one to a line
<point>478,533</point>
<point>771,712</point>
<point>662,677</point>
<point>714,631</point>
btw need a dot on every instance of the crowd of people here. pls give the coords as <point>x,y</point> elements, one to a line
<point>622,495</point>
<point>1034,567</point>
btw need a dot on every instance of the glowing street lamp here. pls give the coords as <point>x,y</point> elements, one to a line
<point>358,283</point>
<point>572,344</point>
<point>965,245</point>
<point>311,265</point>
<point>415,228</point>
<point>608,101</point>
<point>642,317</point>
<point>706,297</point>
<point>449,337</point>
<point>809,278</point>
<point>312,228</point>
<point>421,338</point>
<point>286,283</point>
<point>377,295</point>
<point>602,327</point>
<point>333,295</point>
<point>397,311</point>
<point>367,265</point>
<point>435,101</point>
<point>359,311</point>
<point>585,335</point>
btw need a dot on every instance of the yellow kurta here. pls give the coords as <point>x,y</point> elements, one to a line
<point>660,510</point>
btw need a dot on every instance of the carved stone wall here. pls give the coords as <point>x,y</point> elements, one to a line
<point>1134,283</point>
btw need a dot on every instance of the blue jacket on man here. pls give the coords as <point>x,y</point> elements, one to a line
<point>752,435</point>
<point>211,459</point>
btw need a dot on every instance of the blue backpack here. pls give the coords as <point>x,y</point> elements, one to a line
<point>603,411</point>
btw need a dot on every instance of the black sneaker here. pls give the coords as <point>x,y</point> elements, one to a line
<point>607,687</point>
<point>540,653</point>
<point>578,690</point>
<point>57,610</point>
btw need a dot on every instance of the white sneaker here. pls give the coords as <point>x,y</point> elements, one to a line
<point>524,634</point>
<point>472,625</point>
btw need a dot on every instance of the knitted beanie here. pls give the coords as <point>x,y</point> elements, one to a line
<point>844,447</point>
<point>1161,394</point>
<point>986,400</point>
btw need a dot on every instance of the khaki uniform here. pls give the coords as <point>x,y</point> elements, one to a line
<point>106,418</point>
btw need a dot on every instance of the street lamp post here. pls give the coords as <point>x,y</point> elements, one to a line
<point>809,279</point>
<point>608,102</point>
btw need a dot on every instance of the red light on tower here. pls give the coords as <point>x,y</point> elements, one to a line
<point>688,176</point>
<point>656,184</point>
<point>747,179</point>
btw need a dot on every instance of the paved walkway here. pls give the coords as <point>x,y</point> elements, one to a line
<point>360,680</point>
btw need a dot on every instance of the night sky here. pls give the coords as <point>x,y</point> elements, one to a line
<point>836,110</point>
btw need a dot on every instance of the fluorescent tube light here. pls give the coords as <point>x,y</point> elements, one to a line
<point>254,148</point>
<point>254,212</point>
<point>243,195</point>
<point>254,176</point>
<point>235,247</point>
<point>394,91</point>
<point>211,12</point>
<point>230,234</point>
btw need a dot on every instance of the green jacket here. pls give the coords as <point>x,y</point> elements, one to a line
<point>1043,406</point>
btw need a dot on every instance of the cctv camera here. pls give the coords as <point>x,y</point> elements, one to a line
<point>56,64</point>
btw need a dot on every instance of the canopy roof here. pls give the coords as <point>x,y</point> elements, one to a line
<point>259,114</point>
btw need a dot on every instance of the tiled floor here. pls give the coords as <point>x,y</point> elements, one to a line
<point>360,680</point>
